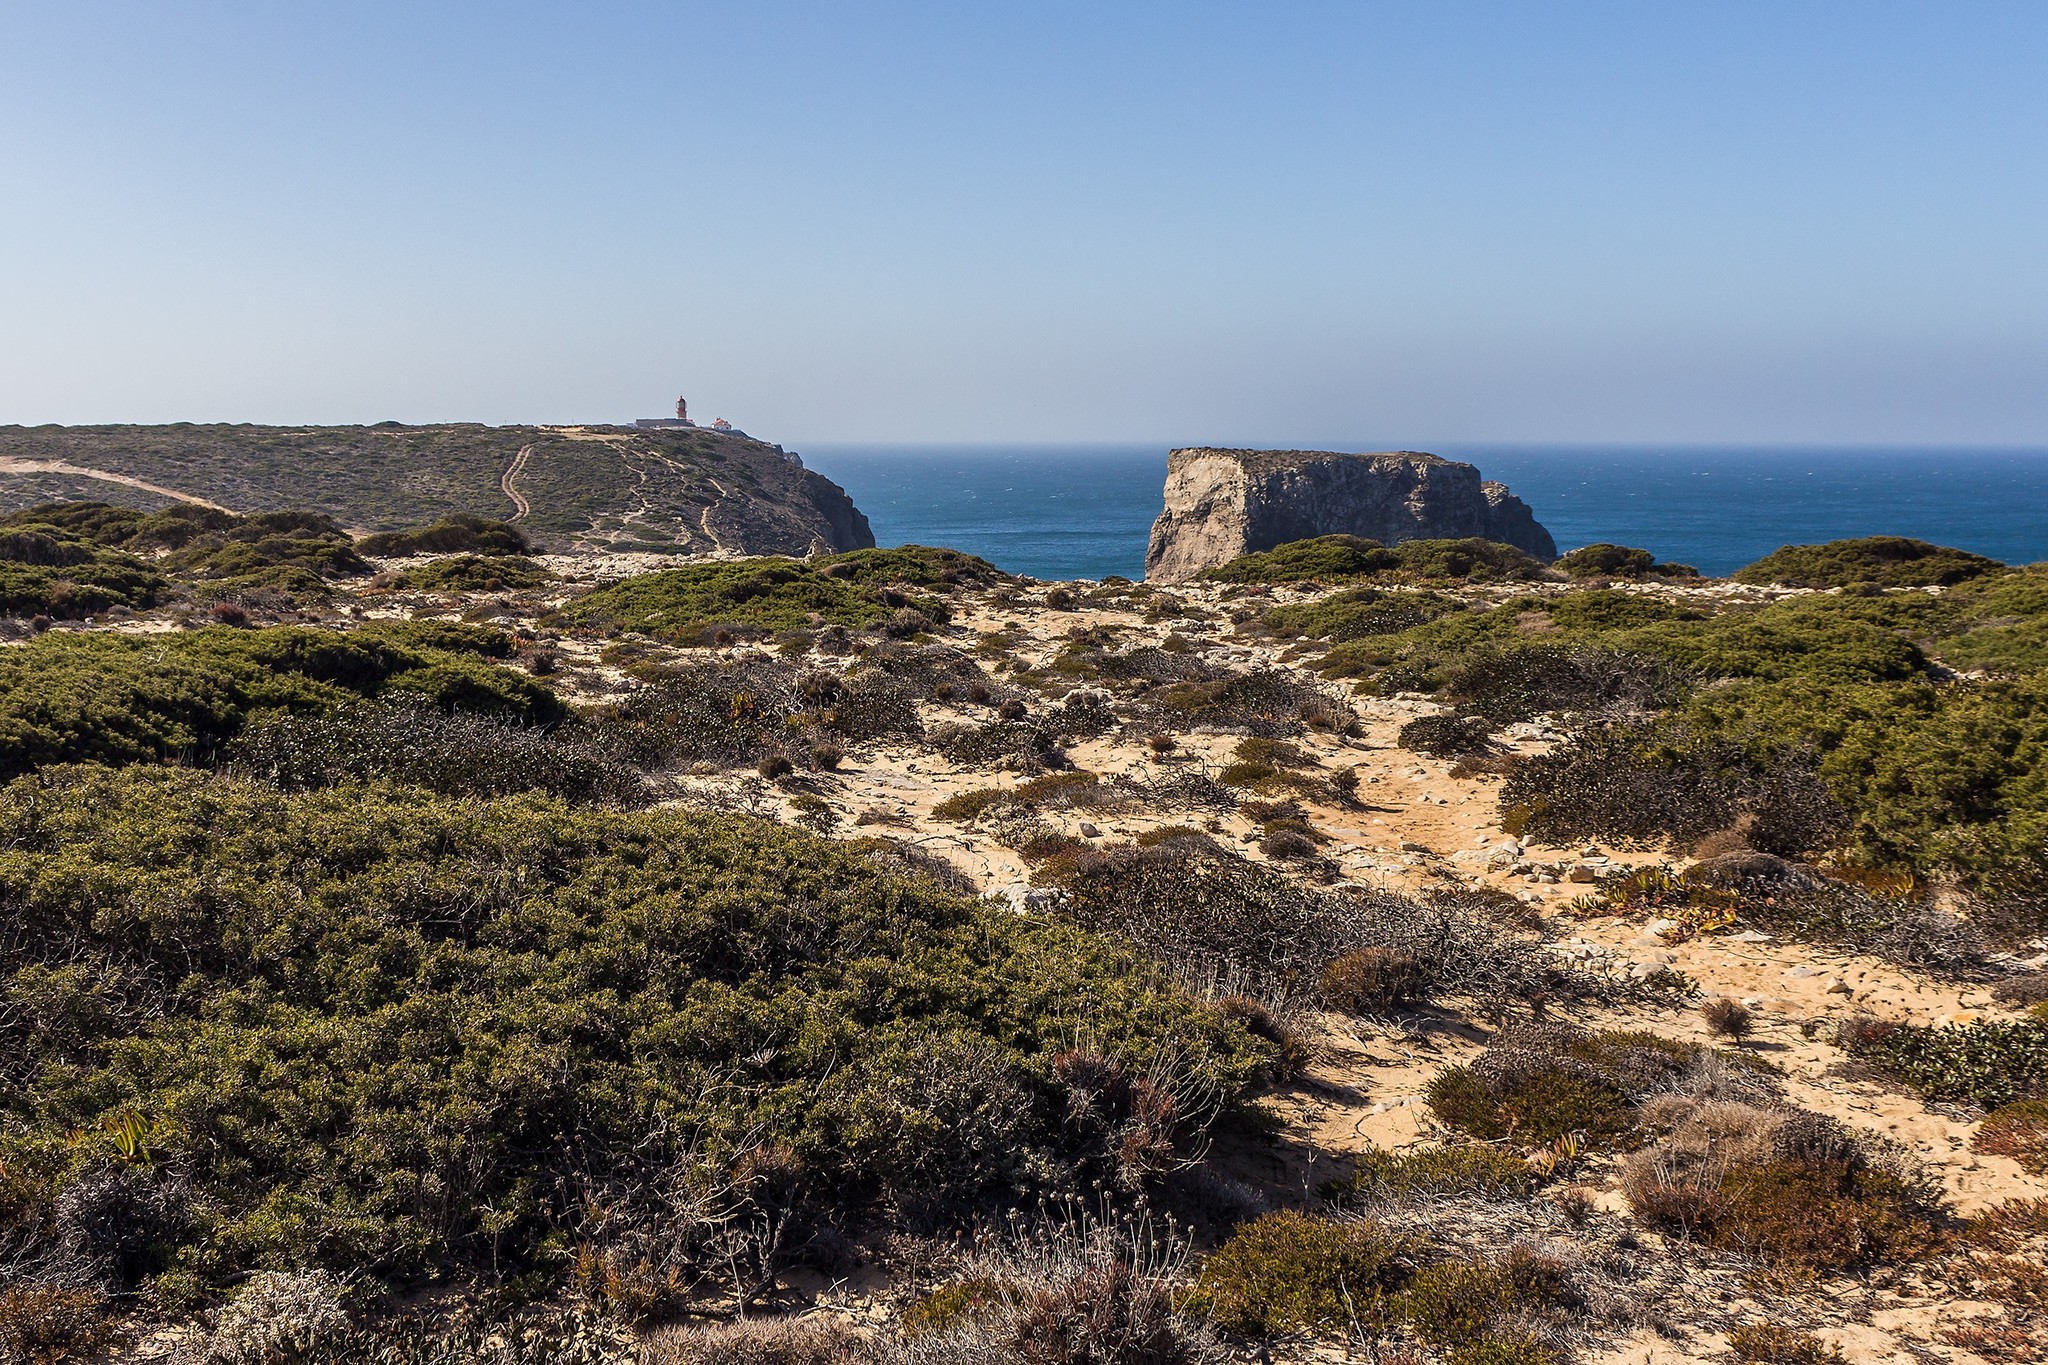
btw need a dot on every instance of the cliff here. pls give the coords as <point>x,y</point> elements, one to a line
<point>689,490</point>
<point>1224,503</point>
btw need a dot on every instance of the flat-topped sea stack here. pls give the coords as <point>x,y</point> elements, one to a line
<point>1224,503</point>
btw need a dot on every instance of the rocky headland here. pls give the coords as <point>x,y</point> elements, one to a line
<point>1224,503</point>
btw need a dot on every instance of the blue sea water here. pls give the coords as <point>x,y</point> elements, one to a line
<point>1058,512</point>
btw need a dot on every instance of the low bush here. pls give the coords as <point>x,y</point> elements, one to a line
<point>1371,981</point>
<point>1603,559</point>
<point>739,712</point>
<point>1322,559</point>
<point>1267,702</point>
<point>1359,612</point>
<point>1636,784</point>
<point>1795,1189</point>
<point>1447,736</point>
<point>55,571</point>
<point>45,1324</point>
<point>1988,1064</point>
<point>456,755</point>
<point>1432,1172</point>
<point>1462,1303</point>
<point>1541,1083</point>
<point>1766,1343</point>
<point>473,573</point>
<point>107,698</point>
<point>458,534</point>
<point>385,1032</point>
<point>1887,561</point>
<point>2018,1130</point>
<point>1290,1272</point>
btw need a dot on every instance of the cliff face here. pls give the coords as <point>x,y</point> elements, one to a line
<point>688,490</point>
<point>1224,503</point>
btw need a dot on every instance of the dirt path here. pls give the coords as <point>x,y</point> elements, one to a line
<point>512,471</point>
<point>11,464</point>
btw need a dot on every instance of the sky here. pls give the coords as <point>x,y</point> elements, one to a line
<point>1268,223</point>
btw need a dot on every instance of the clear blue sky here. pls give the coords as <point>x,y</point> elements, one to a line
<point>1406,224</point>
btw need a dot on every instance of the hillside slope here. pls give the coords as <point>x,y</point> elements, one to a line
<point>572,487</point>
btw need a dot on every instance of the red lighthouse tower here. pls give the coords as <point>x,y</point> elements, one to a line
<point>683,412</point>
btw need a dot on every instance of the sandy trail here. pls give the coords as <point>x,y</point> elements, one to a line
<point>512,472</point>
<point>13,464</point>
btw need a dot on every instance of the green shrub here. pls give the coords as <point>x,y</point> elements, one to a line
<point>1888,561</point>
<point>1289,1272</point>
<point>1323,559</point>
<point>1989,1064</point>
<point>1603,559</point>
<point>682,605</point>
<point>47,569</point>
<point>474,573</point>
<point>1360,612</point>
<point>1459,1303</point>
<point>107,698</point>
<point>414,746</point>
<point>1545,1082</point>
<point>1504,1351</point>
<point>1463,1169</point>
<point>1546,1101</point>
<point>459,534</point>
<point>444,1038</point>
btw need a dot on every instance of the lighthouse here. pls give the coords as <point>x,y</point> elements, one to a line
<point>683,411</point>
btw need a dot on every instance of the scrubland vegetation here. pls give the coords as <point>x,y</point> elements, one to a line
<point>460,961</point>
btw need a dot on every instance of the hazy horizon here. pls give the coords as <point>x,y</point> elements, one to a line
<point>1583,223</point>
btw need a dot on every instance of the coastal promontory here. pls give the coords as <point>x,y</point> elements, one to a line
<point>1224,503</point>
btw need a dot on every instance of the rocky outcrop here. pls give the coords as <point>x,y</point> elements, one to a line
<point>1224,503</point>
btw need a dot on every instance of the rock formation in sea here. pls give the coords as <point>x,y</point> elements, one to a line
<point>1224,503</point>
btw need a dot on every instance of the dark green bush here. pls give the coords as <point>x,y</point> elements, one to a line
<point>1603,559</point>
<point>128,699</point>
<point>1544,1082</point>
<point>1988,1064</point>
<point>1360,612</point>
<point>457,755</point>
<point>459,534</point>
<point>1323,559</point>
<point>1450,736</point>
<point>439,1037</point>
<point>1465,1169</point>
<point>473,573</point>
<point>50,568</point>
<point>1888,561</point>
<point>683,605</point>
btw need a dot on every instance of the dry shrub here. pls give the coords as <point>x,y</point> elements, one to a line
<point>1090,1294</point>
<point>44,1323</point>
<point>1727,1018</point>
<point>1448,736</point>
<point>1371,981</point>
<point>1766,1343</point>
<point>2018,1130</point>
<point>278,1316</point>
<point>756,1341</point>
<point>2018,992</point>
<point>1794,1188</point>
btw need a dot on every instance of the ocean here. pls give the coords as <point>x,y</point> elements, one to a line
<point>1070,511</point>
